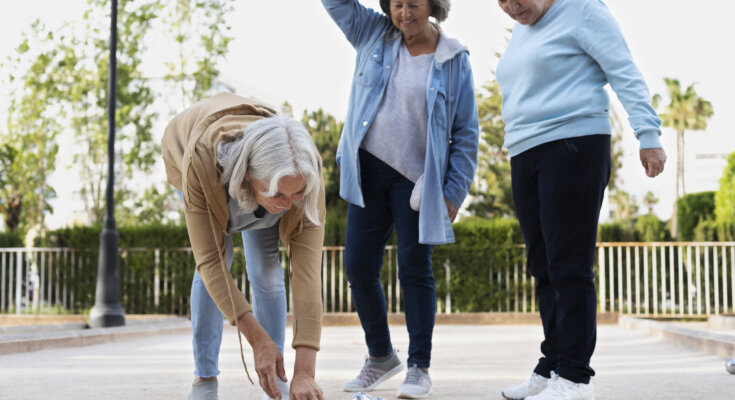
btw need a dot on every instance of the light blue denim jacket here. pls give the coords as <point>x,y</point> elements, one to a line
<point>453,131</point>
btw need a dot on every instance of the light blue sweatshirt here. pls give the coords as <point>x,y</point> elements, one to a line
<point>553,73</point>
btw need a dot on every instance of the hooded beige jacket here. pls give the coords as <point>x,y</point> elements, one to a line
<point>189,148</point>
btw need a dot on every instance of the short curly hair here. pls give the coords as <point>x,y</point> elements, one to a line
<point>439,8</point>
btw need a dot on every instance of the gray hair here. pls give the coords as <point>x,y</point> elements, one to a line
<point>439,8</point>
<point>270,149</point>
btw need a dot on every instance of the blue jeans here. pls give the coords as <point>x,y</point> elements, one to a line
<point>268,299</point>
<point>387,194</point>
<point>558,189</point>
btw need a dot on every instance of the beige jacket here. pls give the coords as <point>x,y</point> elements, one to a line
<point>189,148</point>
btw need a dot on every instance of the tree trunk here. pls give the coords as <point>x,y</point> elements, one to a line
<point>680,190</point>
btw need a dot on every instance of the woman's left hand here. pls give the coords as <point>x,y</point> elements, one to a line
<point>304,387</point>
<point>451,210</point>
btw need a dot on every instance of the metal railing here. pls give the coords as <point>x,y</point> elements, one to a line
<point>668,278</point>
<point>661,279</point>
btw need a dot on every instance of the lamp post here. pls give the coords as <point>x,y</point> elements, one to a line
<point>107,310</point>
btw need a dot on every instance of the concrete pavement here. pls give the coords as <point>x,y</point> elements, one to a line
<point>469,362</point>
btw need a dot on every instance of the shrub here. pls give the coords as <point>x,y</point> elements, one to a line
<point>484,249</point>
<point>648,228</point>
<point>691,209</point>
<point>8,239</point>
<point>617,231</point>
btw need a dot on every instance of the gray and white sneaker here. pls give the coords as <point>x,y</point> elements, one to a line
<point>533,385</point>
<point>203,390</point>
<point>374,373</point>
<point>416,386</point>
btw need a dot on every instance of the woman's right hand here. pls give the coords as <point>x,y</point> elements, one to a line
<point>268,359</point>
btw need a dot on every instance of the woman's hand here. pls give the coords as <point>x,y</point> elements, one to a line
<point>303,384</point>
<point>653,161</point>
<point>451,210</point>
<point>304,387</point>
<point>268,359</point>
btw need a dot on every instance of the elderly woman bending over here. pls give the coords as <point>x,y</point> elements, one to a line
<point>242,168</point>
<point>407,154</point>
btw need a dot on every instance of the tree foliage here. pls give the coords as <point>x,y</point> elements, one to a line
<point>87,101</point>
<point>686,111</point>
<point>28,145</point>
<point>649,201</point>
<point>491,190</point>
<point>725,195</point>
<point>325,130</point>
<point>200,34</point>
<point>692,209</point>
<point>60,87</point>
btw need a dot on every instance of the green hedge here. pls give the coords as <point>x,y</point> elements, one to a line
<point>691,209</point>
<point>483,247</point>
<point>646,228</point>
<point>710,230</point>
<point>8,239</point>
<point>481,259</point>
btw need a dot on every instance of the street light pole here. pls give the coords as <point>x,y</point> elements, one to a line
<point>107,310</point>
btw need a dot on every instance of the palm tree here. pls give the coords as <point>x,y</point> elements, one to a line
<point>649,201</point>
<point>686,111</point>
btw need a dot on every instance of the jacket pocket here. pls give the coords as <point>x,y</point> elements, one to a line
<point>371,69</point>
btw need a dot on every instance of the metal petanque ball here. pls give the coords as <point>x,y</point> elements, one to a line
<point>730,366</point>
<point>364,396</point>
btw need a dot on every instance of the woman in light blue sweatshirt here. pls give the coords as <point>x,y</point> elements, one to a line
<point>556,113</point>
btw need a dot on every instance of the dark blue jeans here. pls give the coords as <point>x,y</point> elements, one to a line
<point>387,194</point>
<point>558,189</point>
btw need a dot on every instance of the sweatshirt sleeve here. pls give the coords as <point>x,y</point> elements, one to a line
<point>601,38</point>
<point>305,255</point>
<point>208,246</point>
<point>356,21</point>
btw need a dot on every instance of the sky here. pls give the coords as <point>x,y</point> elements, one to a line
<point>290,50</point>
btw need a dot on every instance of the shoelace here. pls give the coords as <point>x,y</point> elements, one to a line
<point>535,380</point>
<point>560,387</point>
<point>368,375</point>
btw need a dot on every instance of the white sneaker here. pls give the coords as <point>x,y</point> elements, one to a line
<point>563,389</point>
<point>283,387</point>
<point>417,384</point>
<point>533,385</point>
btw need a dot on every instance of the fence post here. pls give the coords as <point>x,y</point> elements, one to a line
<point>18,281</point>
<point>157,279</point>
<point>601,284</point>
<point>448,297</point>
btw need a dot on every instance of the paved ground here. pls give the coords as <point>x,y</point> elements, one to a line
<point>470,362</point>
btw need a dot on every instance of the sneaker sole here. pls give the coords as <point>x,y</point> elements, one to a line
<point>398,368</point>
<point>402,395</point>
<point>511,398</point>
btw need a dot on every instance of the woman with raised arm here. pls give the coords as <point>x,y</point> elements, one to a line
<point>407,157</point>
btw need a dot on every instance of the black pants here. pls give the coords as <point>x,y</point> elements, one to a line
<point>558,189</point>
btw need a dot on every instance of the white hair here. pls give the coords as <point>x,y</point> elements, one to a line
<point>270,149</point>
